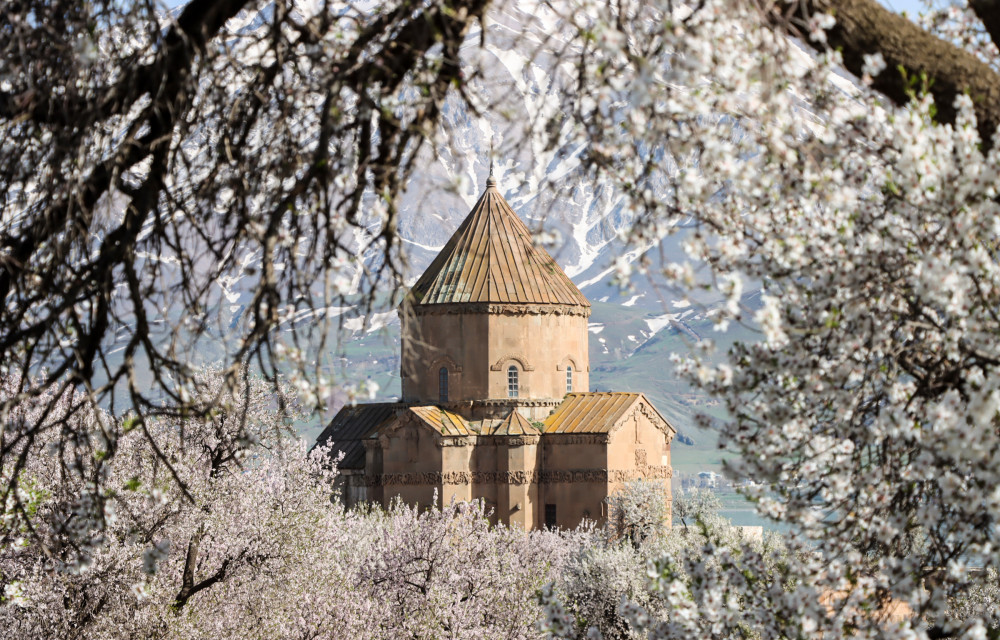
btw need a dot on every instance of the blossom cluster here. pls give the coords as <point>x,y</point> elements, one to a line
<point>237,530</point>
<point>867,409</point>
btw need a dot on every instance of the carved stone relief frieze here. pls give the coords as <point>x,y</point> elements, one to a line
<point>577,438</point>
<point>502,309</point>
<point>640,457</point>
<point>518,477</point>
<point>461,441</point>
<point>515,402</point>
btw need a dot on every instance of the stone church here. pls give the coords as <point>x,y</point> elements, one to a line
<point>496,402</point>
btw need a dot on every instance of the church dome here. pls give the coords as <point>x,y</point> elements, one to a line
<point>492,258</point>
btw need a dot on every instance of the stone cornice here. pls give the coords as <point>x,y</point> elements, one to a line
<point>499,308</point>
<point>517,402</point>
<point>500,440</point>
<point>659,421</point>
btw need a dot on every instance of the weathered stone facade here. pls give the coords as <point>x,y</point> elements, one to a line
<point>540,341</point>
<point>495,406</point>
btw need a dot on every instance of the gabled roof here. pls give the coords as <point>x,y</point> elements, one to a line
<point>513,425</point>
<point>492,258</point>
<point>444,422</point>
<point>351,426</point>
<point>598,412</point>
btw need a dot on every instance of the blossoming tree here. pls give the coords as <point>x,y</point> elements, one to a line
<point>243,537</point>
<point>863,207</point>
<point>866,212</point>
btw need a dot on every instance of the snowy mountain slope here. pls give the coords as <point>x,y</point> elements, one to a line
<point>583,223</point>
<point>633,331</point>
<point>513,80</point>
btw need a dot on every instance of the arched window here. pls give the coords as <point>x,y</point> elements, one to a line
<point>443,385</point>
<point>512,381</point>
<point>569,379</point>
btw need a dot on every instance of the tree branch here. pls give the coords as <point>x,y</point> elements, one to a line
<point>187,594</point>
<point>197,24</point>
<point>989,12</point>
<point>866,27</point>
<point>165,79</point>
<point>188,585</point>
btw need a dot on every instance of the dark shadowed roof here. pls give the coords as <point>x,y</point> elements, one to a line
<point>596,412</point>
<point>351,426</point>
<point>492,258</point>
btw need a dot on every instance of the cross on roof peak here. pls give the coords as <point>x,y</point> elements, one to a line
<point>490,180</point>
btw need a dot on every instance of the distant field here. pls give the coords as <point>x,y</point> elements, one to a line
<point>738,510</point>
<point>690,460</point>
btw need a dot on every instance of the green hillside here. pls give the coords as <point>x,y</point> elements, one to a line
<point>626,354</point>
<point>630,350</point>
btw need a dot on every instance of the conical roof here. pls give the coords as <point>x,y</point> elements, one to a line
<point>491,258</point>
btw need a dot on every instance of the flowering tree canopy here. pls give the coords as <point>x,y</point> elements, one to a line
<point>246,541</point>
<point>868,408</point>
<point>141,155</point>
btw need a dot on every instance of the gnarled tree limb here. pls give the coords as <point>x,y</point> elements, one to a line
<point>866,27</point>
<point>989,12</point>
<point>190,586</point>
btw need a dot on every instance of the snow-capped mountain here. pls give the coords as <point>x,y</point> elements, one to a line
<point>582,225</point>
